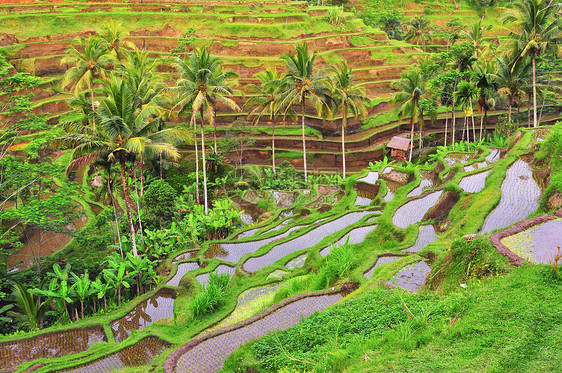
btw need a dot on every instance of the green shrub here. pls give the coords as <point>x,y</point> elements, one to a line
<point>338,264</point>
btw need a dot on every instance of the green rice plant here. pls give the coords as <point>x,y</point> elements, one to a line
<point>336,17</point>
<point>212,297</point>
<point>338,265</point>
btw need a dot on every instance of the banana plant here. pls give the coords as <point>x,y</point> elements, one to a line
<point>59,287</point>
<point>138,265</point>
<point>100,289</point>
<point>82,288</point>
<point>117,274</point>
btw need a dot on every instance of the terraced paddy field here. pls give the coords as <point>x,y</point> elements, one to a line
<point>276,266</point>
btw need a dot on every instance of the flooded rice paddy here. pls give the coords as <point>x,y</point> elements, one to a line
<point>305,241</point>
<point>50,345</point>
<point>209,355</point>
<point>412,277</point>
<point>426,236</point>
<point>139,354</point>
<point>356,236</point>
<point>520,196</point>
<point>382,260</point>
<point>232,252</point>
<point>412,212</point>
<point>537,244</point>
<point>183,268</point>
<point>185,256</point>
<point>426,182</point>
<point>298,262</point>
<point>160,306</point>
<point>203,278</point>
<point>474,183</point>
<point>371,178</point>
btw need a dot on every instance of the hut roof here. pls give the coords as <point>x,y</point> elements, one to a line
<point>399,143</point>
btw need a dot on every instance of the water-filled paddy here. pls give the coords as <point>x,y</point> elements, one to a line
<point>537,244</point>
<point>305,241</point>
<point>412,277</point>
<point>520,196</point>
<point>160,306</point>
<point>412,212</point>
<point>209,355</point>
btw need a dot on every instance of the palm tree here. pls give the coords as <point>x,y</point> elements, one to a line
<point>203,84</point>
<point>349,98</point>
<point>511,78</point>
<point>538,31</point>
<point>125,129</point>
<point>418,31</point>
<point>476,35</point>
<point>32,311</point>
<point>264,101</point>
<point>412,86</point>
<point>90,60</point>
<point>139,71</point>
<point>113,35</point>
<point>301,84</point>
<point>465,93</point>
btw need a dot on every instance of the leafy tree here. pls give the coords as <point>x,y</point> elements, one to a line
<point>303,83</point>
<point>117,274</point>
<point>538,30</point>
<point>89,60</point>
<point>348,98</point>
<point>159,200</point>
<point>412,86</point>
<point>418,31</point>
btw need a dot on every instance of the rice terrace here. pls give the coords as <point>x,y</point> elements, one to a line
<point>280,186</point>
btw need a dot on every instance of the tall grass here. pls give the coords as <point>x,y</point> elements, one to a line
<point>213,295</point>
<point>338,265</point>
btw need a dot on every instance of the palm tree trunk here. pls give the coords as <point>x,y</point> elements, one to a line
<point>411,138</point>
<point>304,144</point>
<point>204,165</point>
<point>343,126</point>
<point>142,174</point>
<point>194,124</point>
<point>93,108</point>
<point>446,123</point>
<point>454,125</point>
<point>138,208</point>
<point>464,129</point>
<point>115,216</point>
<point>472,116</point>
<point>273,142</point>
<point>215,130</point>
<point>82,307</point>
<point>535,123</point>
<point>128,204</point>
<point>481,126</point>
<point>509,112</point>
